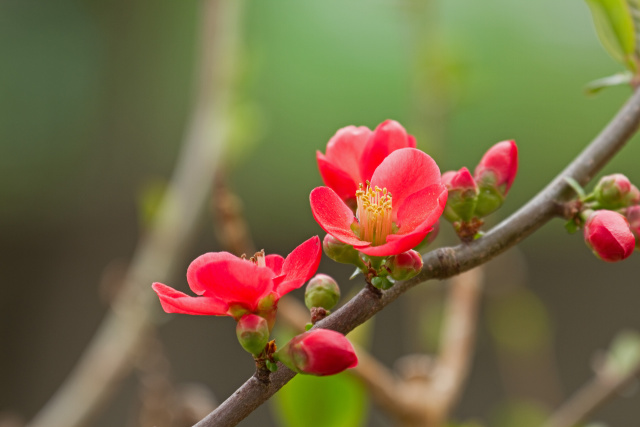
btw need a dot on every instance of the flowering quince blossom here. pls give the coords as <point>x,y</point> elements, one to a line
<point>498,167</point>
<point>608,234</point>
<point>395,210</point>
<point>354,153</point>
<point>318,352</point>
<point>230,286</point>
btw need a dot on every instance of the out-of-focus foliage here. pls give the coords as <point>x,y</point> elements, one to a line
<point>519,413</point>
<point>615,27</point>
<point>519,321</point>
<point>336,401</point>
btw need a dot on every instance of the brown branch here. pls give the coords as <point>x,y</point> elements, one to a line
<point>458,340</point>
<point>602,387</point>
<point>446,262</point>
<point>159,254</point>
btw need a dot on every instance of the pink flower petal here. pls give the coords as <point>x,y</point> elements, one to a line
<point>333,215</point>
<point>234,281</point>
<point>300,265</point>
<point>404,172</point>
<point>339,180</point>
<point>274,262</point>
<point>345,148</point>
<point>173,301</point>
<point>388,137</point>
<point>196,286</point>
<point>424,206</point>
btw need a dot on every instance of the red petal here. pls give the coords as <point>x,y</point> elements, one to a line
<point>422,209</point>
<point>404,172</point>
<point>333,215</point>
<point>344,150</point>
<point>340,181</point>
<point>300,265</point>
<point>234,281</point>
<point>274,262</point>
<point>173,301</point>
<point>196,286</point>
<point>388,137</point>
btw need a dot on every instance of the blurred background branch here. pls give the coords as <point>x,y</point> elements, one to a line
<point>160,252</point>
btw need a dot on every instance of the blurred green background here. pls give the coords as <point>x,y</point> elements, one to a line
<point>94,98</point>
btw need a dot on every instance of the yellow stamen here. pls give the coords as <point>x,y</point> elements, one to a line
<point>374,213</point>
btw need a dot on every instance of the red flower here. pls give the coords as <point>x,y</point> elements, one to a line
<point>396,210</point>
<point>354,153</point>
<point>318,352</point>
<point>608,234</point>
<point>498,166</point>
<point>232,286</point>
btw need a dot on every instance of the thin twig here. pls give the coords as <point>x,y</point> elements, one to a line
<point>458,340</point>
<point>602,387</point>
<point>447,262</point>
<point>159,254</point>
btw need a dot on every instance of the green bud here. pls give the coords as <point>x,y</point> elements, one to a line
<point>341,252</point>
<point>489,200</point>
<point>615,192</point>
<point>405,265</point>
<point>322,291</point>
<point>253,333</point>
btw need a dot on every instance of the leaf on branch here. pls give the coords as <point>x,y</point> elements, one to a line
<point>615,27</point>
<point>617,79</point>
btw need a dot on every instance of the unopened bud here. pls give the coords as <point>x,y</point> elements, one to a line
<point>498,167</point>
<point>615,192</point>
<point>463,195</point>
<point>322,291</point>
<point>608,235</point>
<point>495,174</point>
<point>405,265</point>
<point>633,216</point>
<point>253,333</point>
<point>341,252</point>
<point>318,352</point>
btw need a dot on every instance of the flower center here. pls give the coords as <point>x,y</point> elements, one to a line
<point>374,213</point>
<point>257,258</point>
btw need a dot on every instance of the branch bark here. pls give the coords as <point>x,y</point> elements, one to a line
<point>447,262</point>
<point>159,254</point>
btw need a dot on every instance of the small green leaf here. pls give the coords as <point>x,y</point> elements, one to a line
<point>272,366</point>
<point>575,185</point>
<point>336,401</point>
<point>571,226</point>
<point>618,79</point>
<point>615,28</point>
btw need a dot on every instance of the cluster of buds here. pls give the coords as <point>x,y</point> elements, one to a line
<point>610,217</point>
<point>472,197</point>
<point>380,272</point>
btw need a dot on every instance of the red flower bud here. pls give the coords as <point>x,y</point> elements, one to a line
<point>405,265</point>
<point>498,167</point>
<point>608,234</point>
<point>253,333</point>
<point>633,216</point>
<point>318,352</point>
<point>616,191</point>
<point>322,291</point>
<point>463,195</point>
